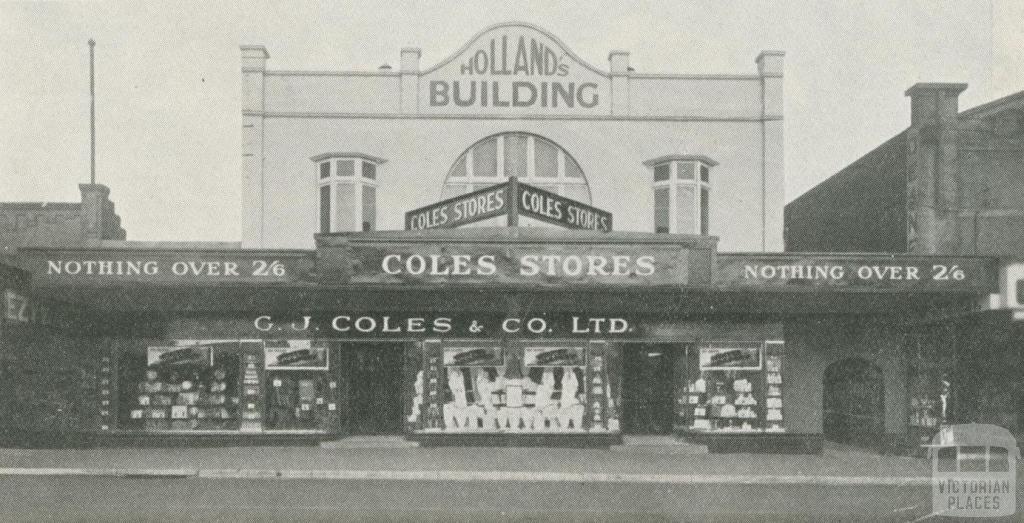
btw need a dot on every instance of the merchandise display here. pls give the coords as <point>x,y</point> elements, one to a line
<point>299,393</point>
<point>488,389</point>
<point>733,387</point>
<point>929,404</point>
<point>179,391</point>
<point>297,400</point>
<point>501,399</point>
<point>930,365</point>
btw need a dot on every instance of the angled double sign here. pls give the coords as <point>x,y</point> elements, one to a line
<point>512,199</point>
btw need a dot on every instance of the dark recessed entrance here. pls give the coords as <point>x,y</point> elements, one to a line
<point>854,403</point>
<point>375,387</point>
<point>647,388</point>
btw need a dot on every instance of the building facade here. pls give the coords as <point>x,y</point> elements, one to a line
<point>508,247</point>
<point>952,183</point>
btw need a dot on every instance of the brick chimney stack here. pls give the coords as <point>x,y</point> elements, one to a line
<point>932,185</point>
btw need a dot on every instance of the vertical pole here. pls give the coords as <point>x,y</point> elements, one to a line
<point>513,201</point>
<point>92,112</point>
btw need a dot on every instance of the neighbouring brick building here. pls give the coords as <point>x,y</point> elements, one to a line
<point>45,375</point>
<point>52,224</point>
<point>952,183</point>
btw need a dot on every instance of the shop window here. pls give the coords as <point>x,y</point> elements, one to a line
<point>530,158</point>
<point>348,192</point>
<point>300,393</point>
<point>187,386</point>
<point>733,387</point>
<point>533,389</point>
<point>682,194</point>
<point>930,382</point>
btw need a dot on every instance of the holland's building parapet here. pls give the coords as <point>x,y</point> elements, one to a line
<point>509,79</point>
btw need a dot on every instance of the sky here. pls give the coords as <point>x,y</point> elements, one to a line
<point>168,78</point>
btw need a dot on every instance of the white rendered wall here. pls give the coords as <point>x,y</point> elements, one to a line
<point>736,120</point>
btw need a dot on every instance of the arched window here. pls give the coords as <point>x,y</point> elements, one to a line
<point>532,159</point>
<point>347,185</point>
<point>682,193</point>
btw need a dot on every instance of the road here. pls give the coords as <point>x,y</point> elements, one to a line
<point>71,498</point>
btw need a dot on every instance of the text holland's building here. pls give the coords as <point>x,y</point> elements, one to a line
<point>510,246</point>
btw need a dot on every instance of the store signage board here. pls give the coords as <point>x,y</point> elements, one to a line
<point>103,267</point>
<point>493,201</point>
<point>554,356</point>
<point>461,210</point>
<point>866,272</point>
<point>730,358</point>
<point>295,355</point>
<point>516,69</point>
<point>429,324</point>
<point>559,210</point>
<point>170,357</point>
<point>533,264</point>
<point>472,356</point>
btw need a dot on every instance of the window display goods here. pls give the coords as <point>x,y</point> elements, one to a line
<point>513,389</point>
<point>734,387</point>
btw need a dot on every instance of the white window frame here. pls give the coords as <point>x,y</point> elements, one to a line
<point>560,181</point>
<point>357,180</point>
<point>673,183</point>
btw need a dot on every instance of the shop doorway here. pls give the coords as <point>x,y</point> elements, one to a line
<point>854,403</point>
<point>647,388</point>
<point>375,388</point>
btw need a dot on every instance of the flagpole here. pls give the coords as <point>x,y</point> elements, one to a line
<point>92,113</point>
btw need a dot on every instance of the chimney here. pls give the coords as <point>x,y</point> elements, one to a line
<point>933,185</point>
<point>95,200</point>
<point>934,103</point>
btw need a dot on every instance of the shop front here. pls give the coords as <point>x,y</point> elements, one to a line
<point>510,336</point>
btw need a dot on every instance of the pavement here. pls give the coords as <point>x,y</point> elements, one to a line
<point>638,463</point>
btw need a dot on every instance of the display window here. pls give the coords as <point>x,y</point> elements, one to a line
<point>186,386</point>
<point>480,387</point>
<point>930,389</point>
<point>227,385</point>
<point>733,387</point>
<point>300,393</point>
